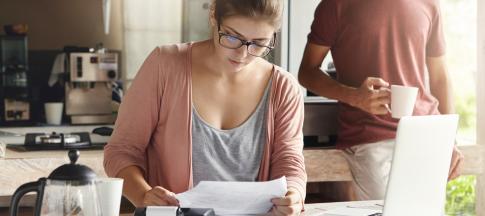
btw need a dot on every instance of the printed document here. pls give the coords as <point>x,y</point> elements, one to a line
<point>234,198</point>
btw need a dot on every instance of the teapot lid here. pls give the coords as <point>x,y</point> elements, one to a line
<point>73,171</point>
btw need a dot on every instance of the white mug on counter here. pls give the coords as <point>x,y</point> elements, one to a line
<point>403,99</point>
<point>53,112</point>
<point>3,149</point>
<point>109,195</point>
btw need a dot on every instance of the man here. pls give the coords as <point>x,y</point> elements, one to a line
<point>376,43</point>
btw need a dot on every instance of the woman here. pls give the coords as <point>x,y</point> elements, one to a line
<point>212,110</point>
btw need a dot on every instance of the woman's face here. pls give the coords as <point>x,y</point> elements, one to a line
<point>235,30</point>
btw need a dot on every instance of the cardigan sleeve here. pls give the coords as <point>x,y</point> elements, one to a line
<point>137,119</point>
<point>287,155</point>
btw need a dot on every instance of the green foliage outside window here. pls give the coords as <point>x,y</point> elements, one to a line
<point>460,196</point>
<point>460,193</point>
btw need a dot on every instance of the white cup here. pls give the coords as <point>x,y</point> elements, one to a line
<point>3,149</point>
<point>109,195</point>
<point>53,112</point>
<point>402,100</point>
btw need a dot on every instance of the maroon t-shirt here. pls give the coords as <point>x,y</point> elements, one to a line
<point>379,38</point>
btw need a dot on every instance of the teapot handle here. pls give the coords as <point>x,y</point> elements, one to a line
<point>37,186</point>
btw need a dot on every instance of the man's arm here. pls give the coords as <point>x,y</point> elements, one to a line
<point>372,96</point>
<point>440,84</point>
<point>442,89</point>
<point>312,77</point>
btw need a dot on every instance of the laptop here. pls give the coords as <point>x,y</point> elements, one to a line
<point>419,170</point>
<point>420,165</point>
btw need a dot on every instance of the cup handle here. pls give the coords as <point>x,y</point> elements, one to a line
<point>37,186</point>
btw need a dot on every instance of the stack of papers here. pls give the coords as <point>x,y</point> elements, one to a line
<point>234,198</point>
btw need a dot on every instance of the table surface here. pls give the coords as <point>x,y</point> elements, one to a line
<point>318,209</point>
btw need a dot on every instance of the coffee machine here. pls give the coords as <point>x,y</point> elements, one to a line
<point>88,90</point>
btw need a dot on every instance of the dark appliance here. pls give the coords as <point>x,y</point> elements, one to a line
<point>57,141</point>
<point>14,82</point>
<point>181,212</point>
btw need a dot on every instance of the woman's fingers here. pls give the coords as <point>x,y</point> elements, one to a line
<point>160,196</point>
<point>288,205</point>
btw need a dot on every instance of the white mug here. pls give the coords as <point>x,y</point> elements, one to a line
<point>53,112</point>
<point>109,195</point>
<point>3,149</point>
<point>403,99</point>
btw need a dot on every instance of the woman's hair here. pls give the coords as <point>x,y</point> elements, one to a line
<point>268,10</point>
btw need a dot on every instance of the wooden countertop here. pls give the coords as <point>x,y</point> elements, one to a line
<point>323,165</point>
<point>59,154</point>
<point>20,167</point>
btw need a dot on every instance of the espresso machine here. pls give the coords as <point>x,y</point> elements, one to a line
<point>88,90</point>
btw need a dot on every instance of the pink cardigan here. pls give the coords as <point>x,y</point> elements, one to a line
<point>153,129</point>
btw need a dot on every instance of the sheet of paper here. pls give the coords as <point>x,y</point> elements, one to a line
<point>353,211</point>
<point>234,198</point>
<point>161,211</point>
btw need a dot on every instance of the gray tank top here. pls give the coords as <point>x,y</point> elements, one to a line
<point>229,155</point>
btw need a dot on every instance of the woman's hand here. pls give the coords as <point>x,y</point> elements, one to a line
<point>159,196</point>
<point>291,204</point>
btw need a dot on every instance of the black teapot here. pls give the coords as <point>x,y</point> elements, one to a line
<point>70,190</point>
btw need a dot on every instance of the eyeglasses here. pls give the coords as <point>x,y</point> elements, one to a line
<point>254,48</point>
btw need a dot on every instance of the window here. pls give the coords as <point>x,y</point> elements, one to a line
<point>464,33</point>
<point>460,25</point>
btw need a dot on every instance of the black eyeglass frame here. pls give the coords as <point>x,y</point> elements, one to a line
<point>246,42</point>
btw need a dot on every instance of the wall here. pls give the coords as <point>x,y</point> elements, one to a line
<point>56,23</point>
<point>146,26</point>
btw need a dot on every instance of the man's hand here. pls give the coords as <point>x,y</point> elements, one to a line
<point>373,96</point>
<point>291,204</point>
<point>456,164</point>
<point>159,196</point>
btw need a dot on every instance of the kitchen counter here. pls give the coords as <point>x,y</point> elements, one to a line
<point>20,167</point>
